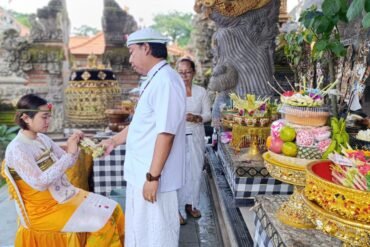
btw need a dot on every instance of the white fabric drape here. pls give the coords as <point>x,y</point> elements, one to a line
<point>197,104</point>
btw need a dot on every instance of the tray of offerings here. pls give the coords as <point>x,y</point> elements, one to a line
<point>338,197</point>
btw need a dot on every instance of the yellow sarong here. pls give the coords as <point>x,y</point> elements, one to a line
<point>47,218</point>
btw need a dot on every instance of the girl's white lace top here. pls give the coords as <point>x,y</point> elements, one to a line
<point>22,155</point>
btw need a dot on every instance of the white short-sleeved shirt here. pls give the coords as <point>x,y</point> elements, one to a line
<point>161,109</point>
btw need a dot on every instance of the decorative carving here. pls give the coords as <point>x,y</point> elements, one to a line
<point>229,7</point>
<point>246,44</point>
<point>23,63</point>
<point>285,174</point>
<point>88,96</point>
<point>11,46</point>
<point>292,212</point>
<point>117,24</point>
<point>50,22</point>
<point>352,233</point>
<point>348,203</point>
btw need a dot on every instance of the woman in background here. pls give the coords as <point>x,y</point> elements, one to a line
<point>52,211</point>
<point>198,112</point>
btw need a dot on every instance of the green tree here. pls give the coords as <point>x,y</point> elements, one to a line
<point>21,18</point>
<point>176,25</point>
<point>85,30</point>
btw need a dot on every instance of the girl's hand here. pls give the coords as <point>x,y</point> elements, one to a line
<point>72,143</point>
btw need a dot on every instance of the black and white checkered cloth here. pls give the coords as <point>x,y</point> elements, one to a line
<point>260,236</point>
<point>248,187</point>
<point>108,172</point>
<point>249,180</point>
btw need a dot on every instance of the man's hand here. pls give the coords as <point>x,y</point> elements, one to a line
<point>108,145</point>
<point>193,118</point>
<point>150,191</point>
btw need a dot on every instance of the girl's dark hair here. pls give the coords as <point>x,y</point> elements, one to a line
<point>187,60</point>
<point>31,102</point>
<point>158,50</point>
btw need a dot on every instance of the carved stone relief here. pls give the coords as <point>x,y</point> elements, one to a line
<point>35,65</point>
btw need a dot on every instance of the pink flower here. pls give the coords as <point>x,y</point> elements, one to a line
<point>364,169</point>
<point>358,155</point>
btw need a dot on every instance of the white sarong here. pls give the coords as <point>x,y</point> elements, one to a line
<point>151,224</point>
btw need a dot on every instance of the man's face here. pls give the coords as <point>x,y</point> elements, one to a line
<point>137,57</point>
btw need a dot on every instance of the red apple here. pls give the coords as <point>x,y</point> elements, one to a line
<point>276,145</point>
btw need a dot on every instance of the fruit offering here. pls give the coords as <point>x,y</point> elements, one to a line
<point>340,137</point>
<point>299,141</point>
<point>352,169</point>
<point>91,147</point>
<point>287,134</point>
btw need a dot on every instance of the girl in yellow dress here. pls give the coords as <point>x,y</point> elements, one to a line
<point>52,211</point>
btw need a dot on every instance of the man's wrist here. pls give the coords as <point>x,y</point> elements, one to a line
<point>151,178</point>
<point>114,143</point>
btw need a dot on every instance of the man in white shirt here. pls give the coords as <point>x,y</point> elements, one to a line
<point>155,146</point>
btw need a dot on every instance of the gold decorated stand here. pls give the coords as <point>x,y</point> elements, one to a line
<point>252,137</point>
<point>293,212</point>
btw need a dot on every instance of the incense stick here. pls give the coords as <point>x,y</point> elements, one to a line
<point>274,88</point>
<point>278,84</point>
<point>290,83</point>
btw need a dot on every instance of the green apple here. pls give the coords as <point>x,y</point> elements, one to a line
<point>290,149</point>
<point>287,134</point>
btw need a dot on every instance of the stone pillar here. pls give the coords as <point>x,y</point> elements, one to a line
<point>48,57</point>
<point>201,44</point>
<point>38,66</point>
<point>117,24</point>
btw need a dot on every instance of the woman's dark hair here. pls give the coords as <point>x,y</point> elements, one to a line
<point>187,60</point>
<point>31,102</point>
<point>158,50</point>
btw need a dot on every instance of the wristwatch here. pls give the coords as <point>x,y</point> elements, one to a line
<point>151,178</point>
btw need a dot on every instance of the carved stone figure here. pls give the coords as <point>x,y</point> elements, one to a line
<point>244,44</point>
<point>117,23</point>
<point>50,23</point>
<point>11,45</point>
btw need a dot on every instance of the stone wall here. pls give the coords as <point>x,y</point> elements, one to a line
<point>39,63</point>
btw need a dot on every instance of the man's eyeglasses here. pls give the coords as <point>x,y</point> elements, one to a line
<point>185,72</point>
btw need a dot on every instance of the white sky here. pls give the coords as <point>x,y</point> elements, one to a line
<point>89,12</point>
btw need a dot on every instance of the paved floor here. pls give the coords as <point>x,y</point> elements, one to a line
<point>201,232</point>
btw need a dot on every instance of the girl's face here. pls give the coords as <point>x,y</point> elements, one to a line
<point>185,71</point>
<point>40,122</point>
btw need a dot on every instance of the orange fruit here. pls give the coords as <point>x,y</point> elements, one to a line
<point>268,142</point>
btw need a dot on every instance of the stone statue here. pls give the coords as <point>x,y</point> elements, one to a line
<point>243,45</point>
<point>49,24</point>
<point>117,23</point>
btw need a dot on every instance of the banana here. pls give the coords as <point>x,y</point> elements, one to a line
<point>330,149</point>
<point>345,138</point>
<point>342,125</point>
<point>334,123</point>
